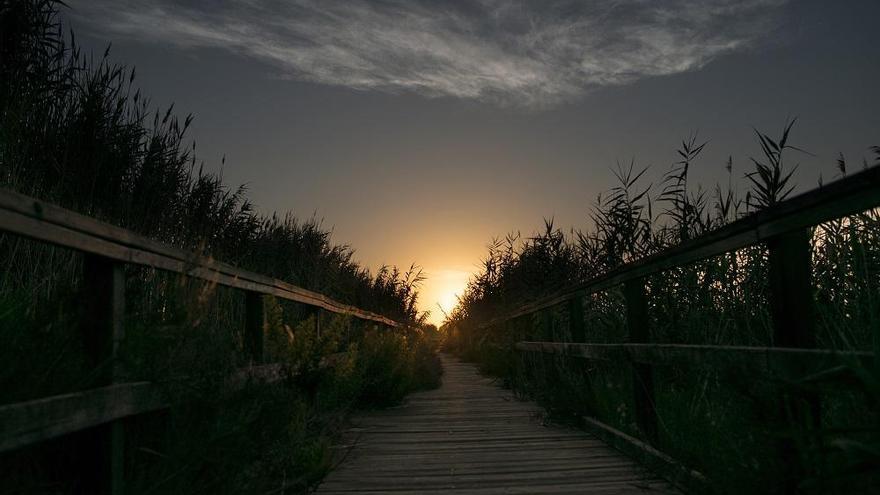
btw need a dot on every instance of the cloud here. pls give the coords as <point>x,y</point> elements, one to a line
<point>529,53</point>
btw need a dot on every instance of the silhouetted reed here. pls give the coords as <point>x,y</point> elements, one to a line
<point>711,421</point>
<point>74,131</point>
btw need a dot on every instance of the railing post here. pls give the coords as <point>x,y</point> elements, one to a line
<point>578,334</point>
<point>255,326</point>
<point>102,329</point>
<point>318,314</point>
<point>576,319</point>
<point>547,325</point>
<point>791,293</point>
<point>793,312</point>
<point>551,371</point>
<point>638,322</point>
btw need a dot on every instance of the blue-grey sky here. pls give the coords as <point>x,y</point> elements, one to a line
<point>421,129</point>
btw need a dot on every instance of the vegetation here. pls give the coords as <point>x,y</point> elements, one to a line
<point>75,131</point>
<point>719,424</point>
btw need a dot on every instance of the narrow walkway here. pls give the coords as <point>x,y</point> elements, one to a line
<point>471,437</point>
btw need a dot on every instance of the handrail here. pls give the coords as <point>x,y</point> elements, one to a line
<point>107,248</point>
<point>792,362</point>
<point>847,196</point>
<point>753,359</point>
<point>36,219</point>
<point>37,420</point>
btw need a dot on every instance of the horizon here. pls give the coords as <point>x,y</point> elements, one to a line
<point>524,123</point>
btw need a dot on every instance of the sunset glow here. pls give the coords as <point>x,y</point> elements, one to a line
<point>441,290</point>
<point>439,246</point>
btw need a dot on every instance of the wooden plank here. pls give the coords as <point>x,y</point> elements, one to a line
<point>34,421</point>
<point>469,436</point>
<point>568,489</point>
<point>26,423</point>
<point>506,458</point>
<point>775,360</point>
<point>680,475</point>
<point>535,448</point>
<point>848,196</point>
<point>618,475</point>
<point>507,467</point>
<point>29,217</point>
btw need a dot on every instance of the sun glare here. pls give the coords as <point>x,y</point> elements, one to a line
<point>440,292</point>
<point>447,301</point>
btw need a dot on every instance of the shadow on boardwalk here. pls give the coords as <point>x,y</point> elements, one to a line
<point>471,436</point>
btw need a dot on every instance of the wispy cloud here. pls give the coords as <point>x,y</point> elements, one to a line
<point>520,52</point>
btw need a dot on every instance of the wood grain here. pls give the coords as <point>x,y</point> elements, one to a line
<point>472,437</point>
<point>29,217</point>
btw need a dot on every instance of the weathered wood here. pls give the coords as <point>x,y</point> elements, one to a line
<point>793,313</point>
<point>848,196</point>
<point>791,294</point>
<point>30,422</point>
<point>255,327</point>
<point>103,314</point>
<point>38,420</point>
<point>548,368</point>
<point>316,314</point>
<point>470,436</point>
<point>816,364</point>
<point>102,328</point>
<point>29,217</point>
<point>680,475</point>
<point>638,323</point>
<point>576,320</point>
<point>546,330</point>
<point>106,248</point>
<point>560,489</point>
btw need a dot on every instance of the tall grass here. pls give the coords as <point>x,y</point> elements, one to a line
<point>74,130</point>
<point>720,424</point>
<point>221,438</point>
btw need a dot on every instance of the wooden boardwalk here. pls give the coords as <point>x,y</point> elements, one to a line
<point>472,437</point>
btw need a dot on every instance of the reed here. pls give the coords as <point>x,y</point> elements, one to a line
<point>75,131</point>
<point>715,423</point>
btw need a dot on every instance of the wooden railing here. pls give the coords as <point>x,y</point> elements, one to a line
<point>785,228</point>
<point>107,249</point>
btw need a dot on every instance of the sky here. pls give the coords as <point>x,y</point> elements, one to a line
<point>419,130</point>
